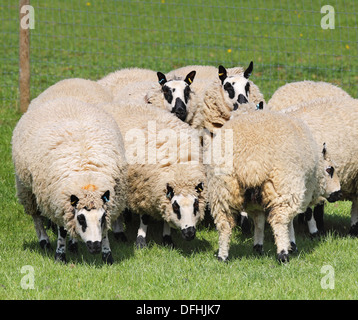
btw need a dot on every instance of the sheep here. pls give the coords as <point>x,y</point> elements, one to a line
<point>174,95</point>
<point>81,89</point>
<point>302,91</point>
<point>223,95</point>
<point>119,79</point>
<point>70,165</point>
<point>169,187</point>
<point>275,164</point>
<point>334,120</point>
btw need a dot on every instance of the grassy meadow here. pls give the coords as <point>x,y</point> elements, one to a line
<point>91,38</point>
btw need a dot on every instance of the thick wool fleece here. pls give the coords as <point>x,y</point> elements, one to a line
<point>303,91</point>
<point>275,153</point>
<point>67,147</point>
<point>334,120</point>
<point>119,79</point>
<point>147,182</point>
<point>81,89</point>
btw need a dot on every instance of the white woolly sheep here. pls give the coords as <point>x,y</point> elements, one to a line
<point>334,120</point>
<point>119,79</point>
<point>276,164</point>
<point>70,165</point>
<point>81,89</point>
<point>303,91</point>
<point>174,95</point>
<point>166,180</point>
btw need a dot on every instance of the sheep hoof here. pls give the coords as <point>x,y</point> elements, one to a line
<point>167,241</point>
<point>223,259</point>
<point>282,257</point>
<point>72,246</point>
<point>107,257</point>
<point>258,248</point>
<point>293,247</point>
<point>354,230</point>
<point>45,245</point>
<point>314,235</point>
<point>141,242</point>
<point>60,257</point>
<point>120,236</point>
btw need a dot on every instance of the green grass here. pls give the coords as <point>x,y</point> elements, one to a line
<point>286,44</point>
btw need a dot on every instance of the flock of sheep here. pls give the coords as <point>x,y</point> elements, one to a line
<point>174,146</point>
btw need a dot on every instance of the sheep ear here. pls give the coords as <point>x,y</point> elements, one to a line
<point>74,200</point>
<point>199,188</point>
<point>161,78</point>
<point>222,74</point>
<point>105,196</point>
<point>190,77</point>
<point>260,105</point>
<point>170,192</point>
<point>248,71</point>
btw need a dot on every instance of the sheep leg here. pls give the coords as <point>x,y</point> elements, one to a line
<point>73,245</point>
<point>167,238</point>
<point>244,222</point>
<point>28,200</point>
<point>279,222</point>
<point>225,230</point>
<point>142,232</point>
<point>118,229</point>
<point>259,222</point>
<point>291,232</point>
<point>60,254</point>
<point>354,218</point>
<point>106,249</point>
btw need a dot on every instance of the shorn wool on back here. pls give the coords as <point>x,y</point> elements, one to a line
<point>70,166</point>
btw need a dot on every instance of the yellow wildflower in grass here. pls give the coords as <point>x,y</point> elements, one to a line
<point>229,50</point>
<point>88,4</point>
<point>347,46</point>
<point>301,35</point>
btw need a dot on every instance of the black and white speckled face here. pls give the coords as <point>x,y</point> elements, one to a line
<point>236,88</point>
<point>177,94</point>
<point>90,222</point>
<point>184,211</point>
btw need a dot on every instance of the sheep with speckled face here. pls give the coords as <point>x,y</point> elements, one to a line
<point>276,165</point>
<point>70,167</point>
<point>166,179</point>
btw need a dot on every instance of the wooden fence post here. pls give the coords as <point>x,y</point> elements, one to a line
<point>24,60</point>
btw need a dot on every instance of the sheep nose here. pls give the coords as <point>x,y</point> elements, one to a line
<point>94,247</point>
<point>180,109</point>
<point>335,196</point>
<point>242,99</point>
<point>188,233</point>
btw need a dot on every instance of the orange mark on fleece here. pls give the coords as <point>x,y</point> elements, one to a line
<point>90,187</point>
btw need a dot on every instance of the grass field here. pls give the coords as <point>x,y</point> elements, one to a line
<point>92,38</point>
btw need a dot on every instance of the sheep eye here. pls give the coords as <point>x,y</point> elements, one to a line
<point>196,206</point>
<point>330,171</point>
<point>176,209</point>
<point>82,221</point>
<point>103,219</point>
